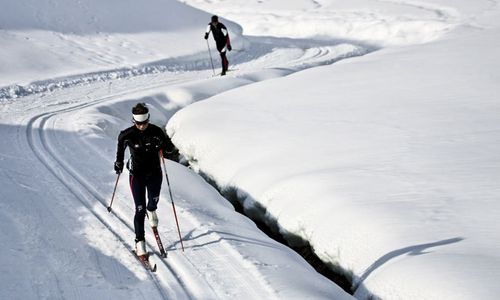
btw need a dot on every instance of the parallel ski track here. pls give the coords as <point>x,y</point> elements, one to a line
<point>38,144</point>
<point>176,266</point>
<point>173,269</point>
<point>200,285</point>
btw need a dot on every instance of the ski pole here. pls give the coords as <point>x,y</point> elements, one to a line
<point>172,199</point>
<point>211,61</point>
<point>114,190</point>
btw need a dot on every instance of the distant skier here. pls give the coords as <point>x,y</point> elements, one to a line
<point>221,37</point>
<point>145,141</point>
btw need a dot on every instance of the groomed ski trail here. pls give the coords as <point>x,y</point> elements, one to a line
<point>181,275</point>
<point>37,139</point>
<point>211,268</point>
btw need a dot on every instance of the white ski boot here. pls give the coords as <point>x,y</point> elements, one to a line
<point>153,218</point>
<point>140,248</point>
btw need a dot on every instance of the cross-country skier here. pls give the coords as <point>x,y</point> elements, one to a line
<point>221,37</point>
<point>144,141</point>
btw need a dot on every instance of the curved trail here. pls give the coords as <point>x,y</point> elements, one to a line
<point>210,268</point>
<point>178,270</point>
<point>39,144</point>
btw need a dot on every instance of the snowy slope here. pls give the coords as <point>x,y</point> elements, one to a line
<point>44,39</point>
<point>60,138</point>
<point>387,164</point>
<point>58,179</point>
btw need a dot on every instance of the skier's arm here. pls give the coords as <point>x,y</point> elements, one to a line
<point>165,144</point>
<point>168,148</point>
<point>120,152</point>
<point>209,28</point>
<point>120,148</point>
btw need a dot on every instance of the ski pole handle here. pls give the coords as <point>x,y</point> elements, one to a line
<point>114,190</point>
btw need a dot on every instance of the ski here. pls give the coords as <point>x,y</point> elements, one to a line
<point>144,259</point>
<point>220,73</point>
<point>163,253</point>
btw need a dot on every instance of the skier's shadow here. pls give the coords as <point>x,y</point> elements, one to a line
<point>220,236</point>
<point>411,250</point>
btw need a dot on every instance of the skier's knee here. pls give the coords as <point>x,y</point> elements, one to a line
<point>139,210</point>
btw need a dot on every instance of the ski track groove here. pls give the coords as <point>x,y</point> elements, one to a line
<point>167,267</point>
<point>178,268</point>
<point>58,173</point>
<point>57,168</point>
<point>179,263</point>
<point>37,135</point>
<point>176,265</point>
<point>249,282</point>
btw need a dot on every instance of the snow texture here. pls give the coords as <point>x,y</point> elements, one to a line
<point>367,129</point>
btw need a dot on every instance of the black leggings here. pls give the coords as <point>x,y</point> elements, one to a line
<point>138,186</point>
<point>225,62</point>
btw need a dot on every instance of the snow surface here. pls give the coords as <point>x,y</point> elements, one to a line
<point>387,163</point>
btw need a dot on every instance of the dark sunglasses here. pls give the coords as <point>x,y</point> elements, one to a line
<point>140,123</point>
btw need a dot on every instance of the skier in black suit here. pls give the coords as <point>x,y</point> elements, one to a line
<point>144,141</point>
<point>221,37</point>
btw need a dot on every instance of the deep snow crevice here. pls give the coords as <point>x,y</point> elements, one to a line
<point>258,214</point>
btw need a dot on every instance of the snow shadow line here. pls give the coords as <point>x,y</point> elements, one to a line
<point>221,236</point>
<point>410,250</point>
<point>343,278</point>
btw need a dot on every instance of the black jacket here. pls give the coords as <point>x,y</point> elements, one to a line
<point>144,147</point>
<point>220,34</point>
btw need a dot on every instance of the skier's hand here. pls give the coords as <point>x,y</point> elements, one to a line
<point>229,48</point>
<point>206,36</point>
<point>164,153</point>
<point>174,155</point>
<point>118,167</point>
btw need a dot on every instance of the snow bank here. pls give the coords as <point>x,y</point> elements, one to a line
<point>382,24</point>
<point>208,221</point>
<point>387,164</point>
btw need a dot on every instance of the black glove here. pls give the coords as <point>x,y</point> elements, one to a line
<point>118,167</point>
<point>206,35</point>
<point>174,155</point>
<point>229,48</point>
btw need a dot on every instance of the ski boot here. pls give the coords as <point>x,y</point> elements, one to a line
<point>153,218</point>
<point>140,248</point>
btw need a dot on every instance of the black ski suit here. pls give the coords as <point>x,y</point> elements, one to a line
<point>221,37</point>
<point>145,168</point>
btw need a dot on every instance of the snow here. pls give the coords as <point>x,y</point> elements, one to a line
<point>367,128</point>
